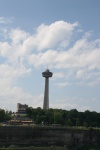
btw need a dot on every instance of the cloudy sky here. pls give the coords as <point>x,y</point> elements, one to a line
<point>63,35</point>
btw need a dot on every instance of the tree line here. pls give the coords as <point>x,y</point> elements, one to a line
<point>57,116</point>
<point>64,117</point>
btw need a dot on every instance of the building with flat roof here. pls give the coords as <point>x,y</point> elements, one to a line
<point>21,108</point>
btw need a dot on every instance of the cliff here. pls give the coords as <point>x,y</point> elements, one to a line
<point>42,136</point>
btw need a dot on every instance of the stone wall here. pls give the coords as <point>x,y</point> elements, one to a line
<point>41,136</point>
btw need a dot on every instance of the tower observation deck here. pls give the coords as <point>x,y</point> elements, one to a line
<point>47,74</point>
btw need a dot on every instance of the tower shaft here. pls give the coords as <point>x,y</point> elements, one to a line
<point>47,74</point>
<point>46,95</point>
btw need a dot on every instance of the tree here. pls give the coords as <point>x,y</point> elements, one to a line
<point>63,117</point>
<point>2,115</point>
<point>57,117</point>
<point>29,111</point>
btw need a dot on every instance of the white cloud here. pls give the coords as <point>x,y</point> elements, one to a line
<point>83,53</point>
<point>18,36</point>
<point>4,20</point>
<point>80,73</point>
<point>58,33</point>
<point>82,59</point>
<point>65,105</point>
<point>51,46</point>
<point>72,103</point>
<point>20,43</point>
<point>84,108</point>
<point>9,75</point>
<point>63,84</point>
<point>13,95</point>
<point>13,71</point>
<point>58,75</point>
<point>5,49</point>
<point>78,56</point>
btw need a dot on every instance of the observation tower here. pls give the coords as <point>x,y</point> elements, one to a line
<point>47,74</point>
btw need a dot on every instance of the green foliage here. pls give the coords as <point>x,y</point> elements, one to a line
<point>58,116</point>
<point>90,147</point>
<point>64,117</point>
<point>4,115</point>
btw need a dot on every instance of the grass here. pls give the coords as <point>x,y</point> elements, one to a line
<point>34,148</point>
<point>97,147</point>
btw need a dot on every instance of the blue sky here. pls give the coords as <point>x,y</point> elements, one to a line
<point>63,35</point>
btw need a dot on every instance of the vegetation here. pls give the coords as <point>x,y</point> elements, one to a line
<point>58,116</point>
<point>64,117</point>
<point>5,115</point>
<point>93,147</point>
<point>35,148</point>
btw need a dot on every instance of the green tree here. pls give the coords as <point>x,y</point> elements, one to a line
<point>2,115</point>
<point>73,114</point>
<point>29,112</point>
<point>57,117</point>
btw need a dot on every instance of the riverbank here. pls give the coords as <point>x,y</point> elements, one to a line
<point>35,148</point>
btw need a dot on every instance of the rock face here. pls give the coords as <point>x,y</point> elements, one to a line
<point>28,136</point>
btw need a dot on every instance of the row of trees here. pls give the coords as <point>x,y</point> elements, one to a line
<point>64,117</point>
<point>58,116</point>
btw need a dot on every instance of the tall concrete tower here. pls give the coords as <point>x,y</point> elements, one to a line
<point>46,74</point>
